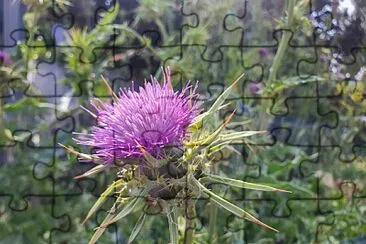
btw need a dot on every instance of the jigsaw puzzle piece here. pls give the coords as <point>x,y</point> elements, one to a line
<point>338,188</point>
<point>231,33</point>
<point>304,124</point>
<point>237,19</point>
<point>25,199</point>
<point>19,226</point>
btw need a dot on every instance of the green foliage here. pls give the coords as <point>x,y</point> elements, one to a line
<point>306,174</point>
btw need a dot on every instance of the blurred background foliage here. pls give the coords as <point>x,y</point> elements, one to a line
<point>320,157</point>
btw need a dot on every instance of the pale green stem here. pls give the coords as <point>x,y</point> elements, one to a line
<point>2,126</point>
<point>212,224</point>
<point>213,217</point>
<point>162,29</point>
<point>138,36</point>
<point>283,43</point>
<point>4,154</point>
<point>277,60</point>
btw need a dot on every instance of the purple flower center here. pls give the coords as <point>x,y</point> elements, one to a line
<point>4,58</point>
<point>154,118</point>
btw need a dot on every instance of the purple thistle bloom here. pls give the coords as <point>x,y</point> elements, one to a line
<point>263,52</point>
<point>255,88</point>
<point>153,118</point>
<point>4,58</point>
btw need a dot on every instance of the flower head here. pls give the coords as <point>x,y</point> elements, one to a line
<point>148,120</point>
<point>4,58</point>
<point>255,88</point>
<point>151,118</point>
<point>264,52</point>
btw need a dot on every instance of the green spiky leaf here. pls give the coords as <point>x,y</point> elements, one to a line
<point>207,139</point>
<point>136,230</point>
<point>102,198</point>
<point>241,213</point>
<point>197,124</point>
<point>109,16</point>
<point>100,230</point>
<point>92,171</point>
<point>130,206</point>
<point>241,184</point>
<point>239,135</point>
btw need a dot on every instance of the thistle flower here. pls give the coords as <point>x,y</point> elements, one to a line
<point>255,88</point>
<point>138,126</point>
<point>154,118</point>
<point>264,52</point>
<point>5,58</point>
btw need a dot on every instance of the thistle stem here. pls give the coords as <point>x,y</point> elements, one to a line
<point>212,237</point>
<point>283,43</point>
<point>212,224</point>
<point>190,217</point>
<point>2,125</point>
